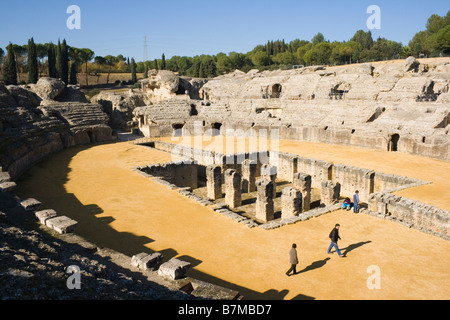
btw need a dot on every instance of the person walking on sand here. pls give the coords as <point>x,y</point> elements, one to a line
<point>356,201</point>
<point>293,260</point>
<point>334,236</point>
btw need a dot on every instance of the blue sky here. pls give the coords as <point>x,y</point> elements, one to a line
<point>205,26</point>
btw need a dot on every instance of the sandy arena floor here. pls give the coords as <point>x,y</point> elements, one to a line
<point>123,210</point>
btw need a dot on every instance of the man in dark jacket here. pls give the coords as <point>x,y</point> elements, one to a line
<point>334,236</point>
<point>293,259</point>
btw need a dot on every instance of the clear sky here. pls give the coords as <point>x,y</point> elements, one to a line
<point>194,27</point>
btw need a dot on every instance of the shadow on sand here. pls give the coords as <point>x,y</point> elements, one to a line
<point>46,182</point>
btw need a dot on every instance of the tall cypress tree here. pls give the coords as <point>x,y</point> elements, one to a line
<point>133,71</point>
<point>33,72</point>
<point>163,62</point>
<point>73,73</point>
<point>58,60</point>
<point>9,67</point>
<point>64,62</point>
<point>52,73</point>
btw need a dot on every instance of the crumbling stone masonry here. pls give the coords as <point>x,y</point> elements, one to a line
<point>249,176</point>
<point>270,173</point>
<point>264,200</point>
<point>330,192</point>
<point>291,203</point>
<point>302,182</point>
<point>233,193</point>
<point>214,182</point>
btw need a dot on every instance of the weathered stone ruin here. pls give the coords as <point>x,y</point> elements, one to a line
<point>300,176</point>
<point>264,201</point>
<point>373,105</point>
<point>41,119</point>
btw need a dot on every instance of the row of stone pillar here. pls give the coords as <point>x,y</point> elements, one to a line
<point>294,200</point>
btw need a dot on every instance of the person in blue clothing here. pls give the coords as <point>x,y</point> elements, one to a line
<point>346,204</point>
<point>356,202</point>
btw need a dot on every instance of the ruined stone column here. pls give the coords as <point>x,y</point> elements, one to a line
<point>330,193</point>
<point>264,200</point>
<point>248,176</point>
<point>291,203</point>
<point>214,182</point>
<point>270,173</point>
<point>233,191</point>
<point>303,183</point>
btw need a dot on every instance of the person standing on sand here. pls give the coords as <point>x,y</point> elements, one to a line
<point>356,201</point>
<point>293,260</point>
<point>334,236</point>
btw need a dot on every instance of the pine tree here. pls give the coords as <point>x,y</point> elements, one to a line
<point>33,72</point>
<point>9,67</point>
<point>133,71</point>
<point>51,54</point>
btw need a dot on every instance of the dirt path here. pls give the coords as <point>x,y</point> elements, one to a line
<point>121,209</point>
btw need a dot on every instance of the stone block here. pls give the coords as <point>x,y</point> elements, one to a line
<point>269,172</point>
<point>174,269</point>
<point>214,182</point>
<point>303,182</point>
<point>264,200</point>
<point>233,192</point>
<point>7,186</point>
<point>5,177</point>
<point>145,261</point>
<point>30,204</point>
<point>62,224</point>
<point>44,215</point>
<point>330,193</point>
<point>291,203</point>
<point>249,176</point>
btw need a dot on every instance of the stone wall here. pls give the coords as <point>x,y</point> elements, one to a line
<point>379,109</point>
<point>39,120</point>
<point>181,174</point>
<point>412,213</point>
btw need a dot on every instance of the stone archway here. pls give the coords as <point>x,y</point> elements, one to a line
<point>276,91</point>
<point>393,143</point>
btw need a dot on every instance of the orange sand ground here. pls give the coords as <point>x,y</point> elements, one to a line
<point>120,209</point>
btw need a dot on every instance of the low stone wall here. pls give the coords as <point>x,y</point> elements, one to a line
<point>411,213</point>
<point>181,174</point>
<point>375,188</point>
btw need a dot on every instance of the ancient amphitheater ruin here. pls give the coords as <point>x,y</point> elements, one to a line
<point>245,164</point>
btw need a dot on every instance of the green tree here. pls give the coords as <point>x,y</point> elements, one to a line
<point>75,62</point>
<point>364,39</point>
<point>163,62</point>
<point>285,58</point>
<point>133,71</point>
<point>261,58</point>
<point>2,54</point>
<point>51,58</point>
<point>443,39</point>
<point>319,54</point>
<point>346,52</point>
<point>318,38</point>
<point>9,68</point>
<point>33,72</point>
<point>86,55</point>
<point>64,67</point>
